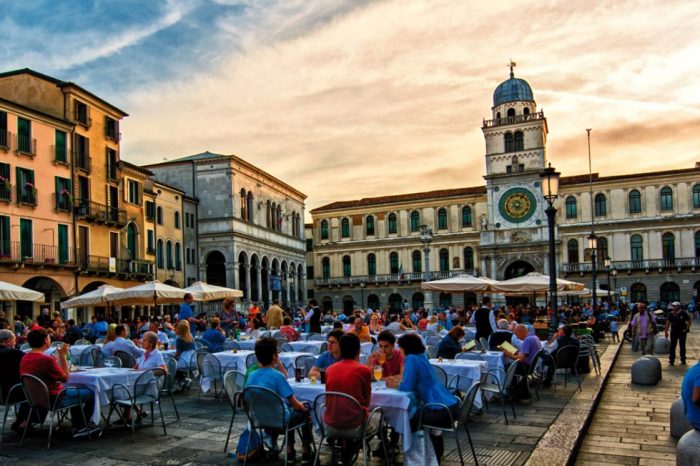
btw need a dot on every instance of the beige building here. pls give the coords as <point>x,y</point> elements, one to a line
<point>168,228</point>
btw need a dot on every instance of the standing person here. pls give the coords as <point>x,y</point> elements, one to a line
<point>644,327</point>
<point>483,319</point>
<point>187,312</point>
<point>229,317</point>
<point>678,322</point>
<point>313,317</point>
<point>614,330</point>
<point>44,318</point>
<point>253,311</point>
<point>275,315</point>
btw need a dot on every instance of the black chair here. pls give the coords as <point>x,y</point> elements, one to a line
<point>15,397</point>
<point>168,382</point>
<point>91,357</point>
<point>250,360</point>
<point>127,360</point>
<point>491,384</point>
<point>567,358</point>
<point>210,368</point>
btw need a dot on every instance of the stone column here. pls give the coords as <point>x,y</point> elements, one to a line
<point>258,281</point>
<point>232,278</point>
<point>286,286</point>
<point>483,267</point>
<point>493,267</point>
<point>249,289</point>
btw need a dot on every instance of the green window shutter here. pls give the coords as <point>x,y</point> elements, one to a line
<point>25,237</point>
<point>62,244</point>
<point>5,236</point>
<point>60,149</point>
<point>58,192</point>
<point>3,121</point>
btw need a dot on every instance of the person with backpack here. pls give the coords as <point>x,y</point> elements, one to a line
<point>644,328</point>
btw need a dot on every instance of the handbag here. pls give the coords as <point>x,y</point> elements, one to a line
<point>421,451</point>
<point>249,446</point>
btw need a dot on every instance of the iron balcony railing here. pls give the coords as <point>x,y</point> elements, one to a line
<point>25,145</point>
<point>389,278</point>
<point>646,264</point>
<point>27,195</point>
<point>5,138</point>
<point>514,119</point>
<point>37,254</point>
<point>93,211</point>
<point>112,265</point>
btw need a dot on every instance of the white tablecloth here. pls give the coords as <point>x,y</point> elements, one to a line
<point>398,406</point>
<point>100,381</point>
<point>76,351</point>
<point>227,357</point>
<point>469,373</point>
<point>248,345</point>
<point>366,348</point>
<point>299,345</point>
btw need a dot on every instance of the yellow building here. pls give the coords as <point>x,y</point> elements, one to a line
<point>168,230</point>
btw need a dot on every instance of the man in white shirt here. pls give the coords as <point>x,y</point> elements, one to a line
<point>122,344</point>
<point>151,358</point>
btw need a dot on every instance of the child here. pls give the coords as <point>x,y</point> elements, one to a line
<point>614,327</point>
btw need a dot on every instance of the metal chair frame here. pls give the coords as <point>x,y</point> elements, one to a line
<point>136,399</point>
<point>306,362</point>
<point>503,391</point>
<point>169,382</point>
<point>451,382</point>
<point>5,401</point>
<point>233,386</point>
<point>574,362</point>
<point>127,360</point>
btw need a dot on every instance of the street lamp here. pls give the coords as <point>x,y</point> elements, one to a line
<point>550,191</point>
<point>593,247</point>
<point>614,275</point>
<point>362,294</point>
<point>426,237</point>
<point>608,265</point>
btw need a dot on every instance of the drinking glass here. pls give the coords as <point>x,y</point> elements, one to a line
<point>378,373</point>
<point>109,363</point>
<point>381,359</point>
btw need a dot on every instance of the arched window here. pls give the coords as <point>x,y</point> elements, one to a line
<point>268,215</point>
<point>668,246</point>
<point>159,215</point>
<point>392,224</point>
<point>444,260</point>
<point>417,265</point>
<point>278,219</point>
<point>177,219</point>
<point>442,219</point>
<point>324,229</point>
<point>294,223</point>
<point>178,257</point>
<point>571,210</point>
<point>169,254</point>
<point>636,248</point>
<point>371,264</point>
<point>511,112</point>
<point>508,142</point>
<point>369,225</point>
<point>602,251</point>
<point>600,206</point>
<point>518,141</point>
<point>666,198</point>
<point>670,292</point>
<point>326,267</point>
<point>347,266</point>
<point>572,251</point>
<point>638,292</point>
<point>250,202</point>
<point>466,216</point>
<point>394,262</point>
<point>244,205</point>
<point>345,228</point>
<point>634,201</point>
<point>526,111</point>
<point>468,258</point>
<point>415,221</point>
<point>696,196</point>
<point>697,244</point>
<point>159,254</point>
<point>300,234</point>
<point>498,117</point>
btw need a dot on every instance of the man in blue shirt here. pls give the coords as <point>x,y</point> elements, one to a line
<point>331,356</point>
<point>187,313</point>
<point>122,344</point>
<point>690,392</point>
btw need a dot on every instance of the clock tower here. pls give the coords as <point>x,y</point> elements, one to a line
<point>514,231</point>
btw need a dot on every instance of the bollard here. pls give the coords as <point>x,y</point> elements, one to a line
<point>679,423</point>
<point>646,371</point>
<point>662,345</point>
<point>688,449</point>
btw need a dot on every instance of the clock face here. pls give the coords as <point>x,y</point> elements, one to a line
<point>517,205</point>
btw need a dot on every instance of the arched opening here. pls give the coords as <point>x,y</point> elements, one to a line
<point>394,262</point>
<point>324,229</point>
<point>348,305</point>
<point>265,282</point>
<point>244,205</point>
<point>327,303</point>
<point>601,207</point>
<point>345,228</point>
<point>466,216</point>
<point>518,269</point>
<point>169,254</point>
<point>347,267</point>
<point>508,142</point>
<point>469,299</point>
<point>132,241</point>
<point>395,303</point>
<point>415,221</point>
<point>571,208</point>
<point>392,224</point>
<point>178,257</point>
<point>159,254</point>
<point>417,300</point>
<point>498,115</point>
<point>634,201</point>
<point>518,141</point>
<point>666,198</point>
<point>445,300</point>
<point>373,301</point>
<point>254,266</point>
<point>442,219</point>
<point>670,292</point>
<point>526,111</point>
<point>279,218</point>
<point>511,112</point>
<point>52,291</point>
<point>636,248</point>
<point>250,202</point>
<point>216,268</point>
<point>369,225</point>
<point>638,292</point>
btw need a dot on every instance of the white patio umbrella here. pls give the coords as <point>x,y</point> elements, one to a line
<point>534,282</point>
<point>460,283</point>
<point>585,292</point>
<point>10,292</point>
<point>150,293</point>
<point>202,291</point>
<point>100,296</point>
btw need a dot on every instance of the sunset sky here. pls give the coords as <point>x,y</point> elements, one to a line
<point>347,99</point>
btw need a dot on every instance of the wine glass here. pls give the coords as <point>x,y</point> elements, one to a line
<point>109,363</point>
<point>378,373</point>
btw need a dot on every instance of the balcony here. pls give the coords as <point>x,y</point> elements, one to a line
<point>60,154</point>
<point>112,171</point>
<point>111,266</point>
<point>387,279</point>
<point>40,255</point>
<point>99,213</point>
<point>82,161</point>
<point>25,145</point>
<point>4,139</point>
<point>630,266</point>
<point>513,119</point>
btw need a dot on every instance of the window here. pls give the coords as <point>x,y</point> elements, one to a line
<point>112,164</point>
<point>345,228</point>
<point>511,112</point>
<point>309,244</point>
<point>150,237</point>
<point>636,250</point>
<point>324,229</point>
<point>5,251</point>
<point>111,128</point>
<point>63,255</point>
<point>81,150</point>
<point>150,210</point>
<point>669,292</point>
<point>518,141</point>
<point>442,219</point>
<point>393,227</point>
<point>602,250</point>
<point>415,221</point>
<point>26,190</point>
<point>697,244</point>
<point>250,202</point>
<point>25,238</point>
<point>159,215</point>
<point>347,269</point>
<point>634,200</point>
<point>668,246</point>
<point>178,257</point>
<point>177,220</point>
<point>416,259</point>
<point>696,196</point>
<point>326,267</point>
<point>113,244</point>
<point>526,111</point>
<point>60,148</point>
<point>508,142</point>
<point>369,225</point>
<point>638,292</point>
<point>371,264</point>
<point>600,207</point>
<point>444,260</point>
<point>192,221</point>
<point>571,208</point>
<point>81,113</point>
<point>394,262</point>
<point>5,182</point>
<point>4,135</point>
<point>25,143</point>
<point>309,272</point>
<point>64,194</point>
<point>159,254</point>
<point>169,254</point>
<point>666,198</point>
<point>572,251</point>
<point>468,258</point>
<point>134,192</point>
<point>244,205</point>
<point>466,216</point>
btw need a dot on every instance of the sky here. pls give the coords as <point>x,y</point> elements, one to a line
<point>350,99</point>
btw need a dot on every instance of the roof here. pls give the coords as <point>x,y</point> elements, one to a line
<point>193,158</point>
<point>136,167</point>
<point>36,112</point>
<point>512,90</point>
<point>61,84</point>
<point>583,179</point>
<point>369,201</point>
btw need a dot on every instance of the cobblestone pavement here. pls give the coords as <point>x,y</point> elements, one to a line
<point>199,436</point>
<point>631,425</point>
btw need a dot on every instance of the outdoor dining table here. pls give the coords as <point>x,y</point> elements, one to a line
<point>398,406</point>
<point>469,373</point>
<point>76,351</point>
<point>100,381</point>
<point>239,357</point>
<point>247,344</point>
<point>299,345</point>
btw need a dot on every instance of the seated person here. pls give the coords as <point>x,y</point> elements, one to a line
<point>361,330</point>
<point>268,376</point>
<point>53,373</point>
<point>184,344</point>
<point>424,321</point>
<point>154,327</point>
<point>168,327</point>
<point>101,327</point>
<point>524,356</point>
<point>406,322</point>
<point>151,357</point>
<point>288,330</point>
<point>394,325</point>
<point>433,325</point>
<point>10,359</point>
<point>444,322</point>
<point>388,356</point>
<point>338,325</point>
<point>214,337</point>
<point>121,343</point>
<point>449,346</point>
<point>501,335</point>
<point>73,333</point>
<point>375,327</point>
<point>561,339</point>
<point>330,356</point>
<point>419,378</point>
<point>143,325</point>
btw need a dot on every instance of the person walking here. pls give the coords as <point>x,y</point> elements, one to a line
<point>678,322</point>
<point>644,327</point>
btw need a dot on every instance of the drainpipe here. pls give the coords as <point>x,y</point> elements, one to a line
<point>196,218</point>
<point>66,105</point>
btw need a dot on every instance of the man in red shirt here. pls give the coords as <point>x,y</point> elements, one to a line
<point>388,356</point>
<point>53,374</point>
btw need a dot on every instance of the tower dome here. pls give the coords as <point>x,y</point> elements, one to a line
<point>512,90</point>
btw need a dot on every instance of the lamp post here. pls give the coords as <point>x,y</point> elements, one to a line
<point>608,265</point>
<point>593,246</point>
<point>426,237</point>
<point>550,191</point>
<point>362,294</point>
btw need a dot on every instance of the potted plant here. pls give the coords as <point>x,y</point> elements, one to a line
<point>5,183</point>
<point>67,195</point>
<point>29,186</point>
